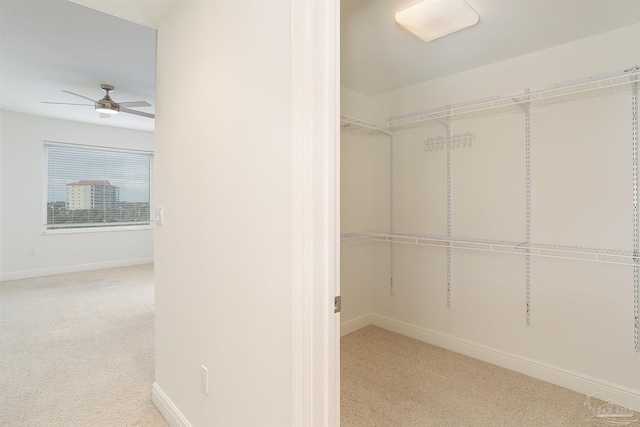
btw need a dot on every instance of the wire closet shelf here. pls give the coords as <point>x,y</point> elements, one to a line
<point>562,92</point>
<point>608,256</point>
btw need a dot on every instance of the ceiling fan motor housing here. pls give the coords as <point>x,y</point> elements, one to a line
<point>106,103</point>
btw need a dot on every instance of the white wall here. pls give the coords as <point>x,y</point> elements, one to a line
<point>22,195</point>
<point>581,333</point>
<point>223,175</point>
<point>1,191</point>
<point>356,104</point>
<point>364,206</point>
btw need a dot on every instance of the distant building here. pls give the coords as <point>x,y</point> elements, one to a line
<point>98,195</point>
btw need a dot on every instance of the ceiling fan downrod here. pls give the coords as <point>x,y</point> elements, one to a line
<point>106,105</point>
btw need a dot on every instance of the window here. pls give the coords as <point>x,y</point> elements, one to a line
<point>96,188</point>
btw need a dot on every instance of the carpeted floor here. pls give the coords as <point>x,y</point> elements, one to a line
<point>391,380</point>
<point>78,350</point>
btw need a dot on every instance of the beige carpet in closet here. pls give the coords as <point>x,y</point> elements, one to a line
<point>391,380</point>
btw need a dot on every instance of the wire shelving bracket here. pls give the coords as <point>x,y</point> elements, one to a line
<point>349,123</point>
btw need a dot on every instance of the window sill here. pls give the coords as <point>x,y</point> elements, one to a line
<point>96,229</point>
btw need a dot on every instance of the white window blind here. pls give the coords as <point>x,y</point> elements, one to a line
<point>93,187</point>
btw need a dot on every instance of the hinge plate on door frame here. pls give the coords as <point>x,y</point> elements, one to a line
<point>337,304</point>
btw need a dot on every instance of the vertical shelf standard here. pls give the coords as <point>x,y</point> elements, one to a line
<point>636,244</point>
<point>392,253</point>
<point>527,147</point>
<point>447,123</point>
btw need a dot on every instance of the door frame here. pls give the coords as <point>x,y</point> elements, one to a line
<point>315,222</point>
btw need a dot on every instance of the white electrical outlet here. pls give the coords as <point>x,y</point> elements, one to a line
<point>204,379</point>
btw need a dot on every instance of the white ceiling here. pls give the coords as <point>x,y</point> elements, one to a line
<point>380,56</point>
<point>49,45</point>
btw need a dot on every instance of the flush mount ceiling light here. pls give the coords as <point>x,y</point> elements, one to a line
<point>432,19</point>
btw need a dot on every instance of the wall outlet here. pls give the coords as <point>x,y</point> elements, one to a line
<point>204,379</point>
<point>32,252</point>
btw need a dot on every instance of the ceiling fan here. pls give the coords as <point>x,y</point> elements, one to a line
<point>107,106</point>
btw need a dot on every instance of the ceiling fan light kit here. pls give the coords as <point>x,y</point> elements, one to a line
<point>432,19</point>
<point>103,109</point>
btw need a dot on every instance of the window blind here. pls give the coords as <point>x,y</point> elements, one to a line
<point>95,187</point>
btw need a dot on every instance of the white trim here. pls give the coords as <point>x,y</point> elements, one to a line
<point>314,216</point>
<point>552,374</point>
<point>333,64</point>
<point>301,215</point>
<point>169,411</point>
<point>353,325</point>
<point>26,274</point>
<point>70,230</point>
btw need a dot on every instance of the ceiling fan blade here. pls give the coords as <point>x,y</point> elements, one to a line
<point>134,104</point>
<point>105,116</point>
<point>67,103</point>
<point>81,96</point>
<point>138,113</point>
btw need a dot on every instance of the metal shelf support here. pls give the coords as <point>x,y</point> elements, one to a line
<point>392,251</point>
<point>526,107</point>
<point>447,122</point>
<point>636,243</point>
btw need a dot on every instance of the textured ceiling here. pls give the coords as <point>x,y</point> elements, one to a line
<point>49,45</point>
<point>380,56</point>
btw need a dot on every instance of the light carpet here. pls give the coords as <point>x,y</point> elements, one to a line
<point>392,380</point>
<point>78,349</point>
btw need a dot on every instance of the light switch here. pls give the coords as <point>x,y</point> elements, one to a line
<point>159,215</point>
<point>204,379</point>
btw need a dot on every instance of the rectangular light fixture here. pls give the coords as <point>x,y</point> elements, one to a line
<point>432,19</point>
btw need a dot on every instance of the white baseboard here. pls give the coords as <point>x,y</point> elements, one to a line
<point>575,381</point>
<point>27,274</point>
<point>169,411</point>
<point>353,325</point>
